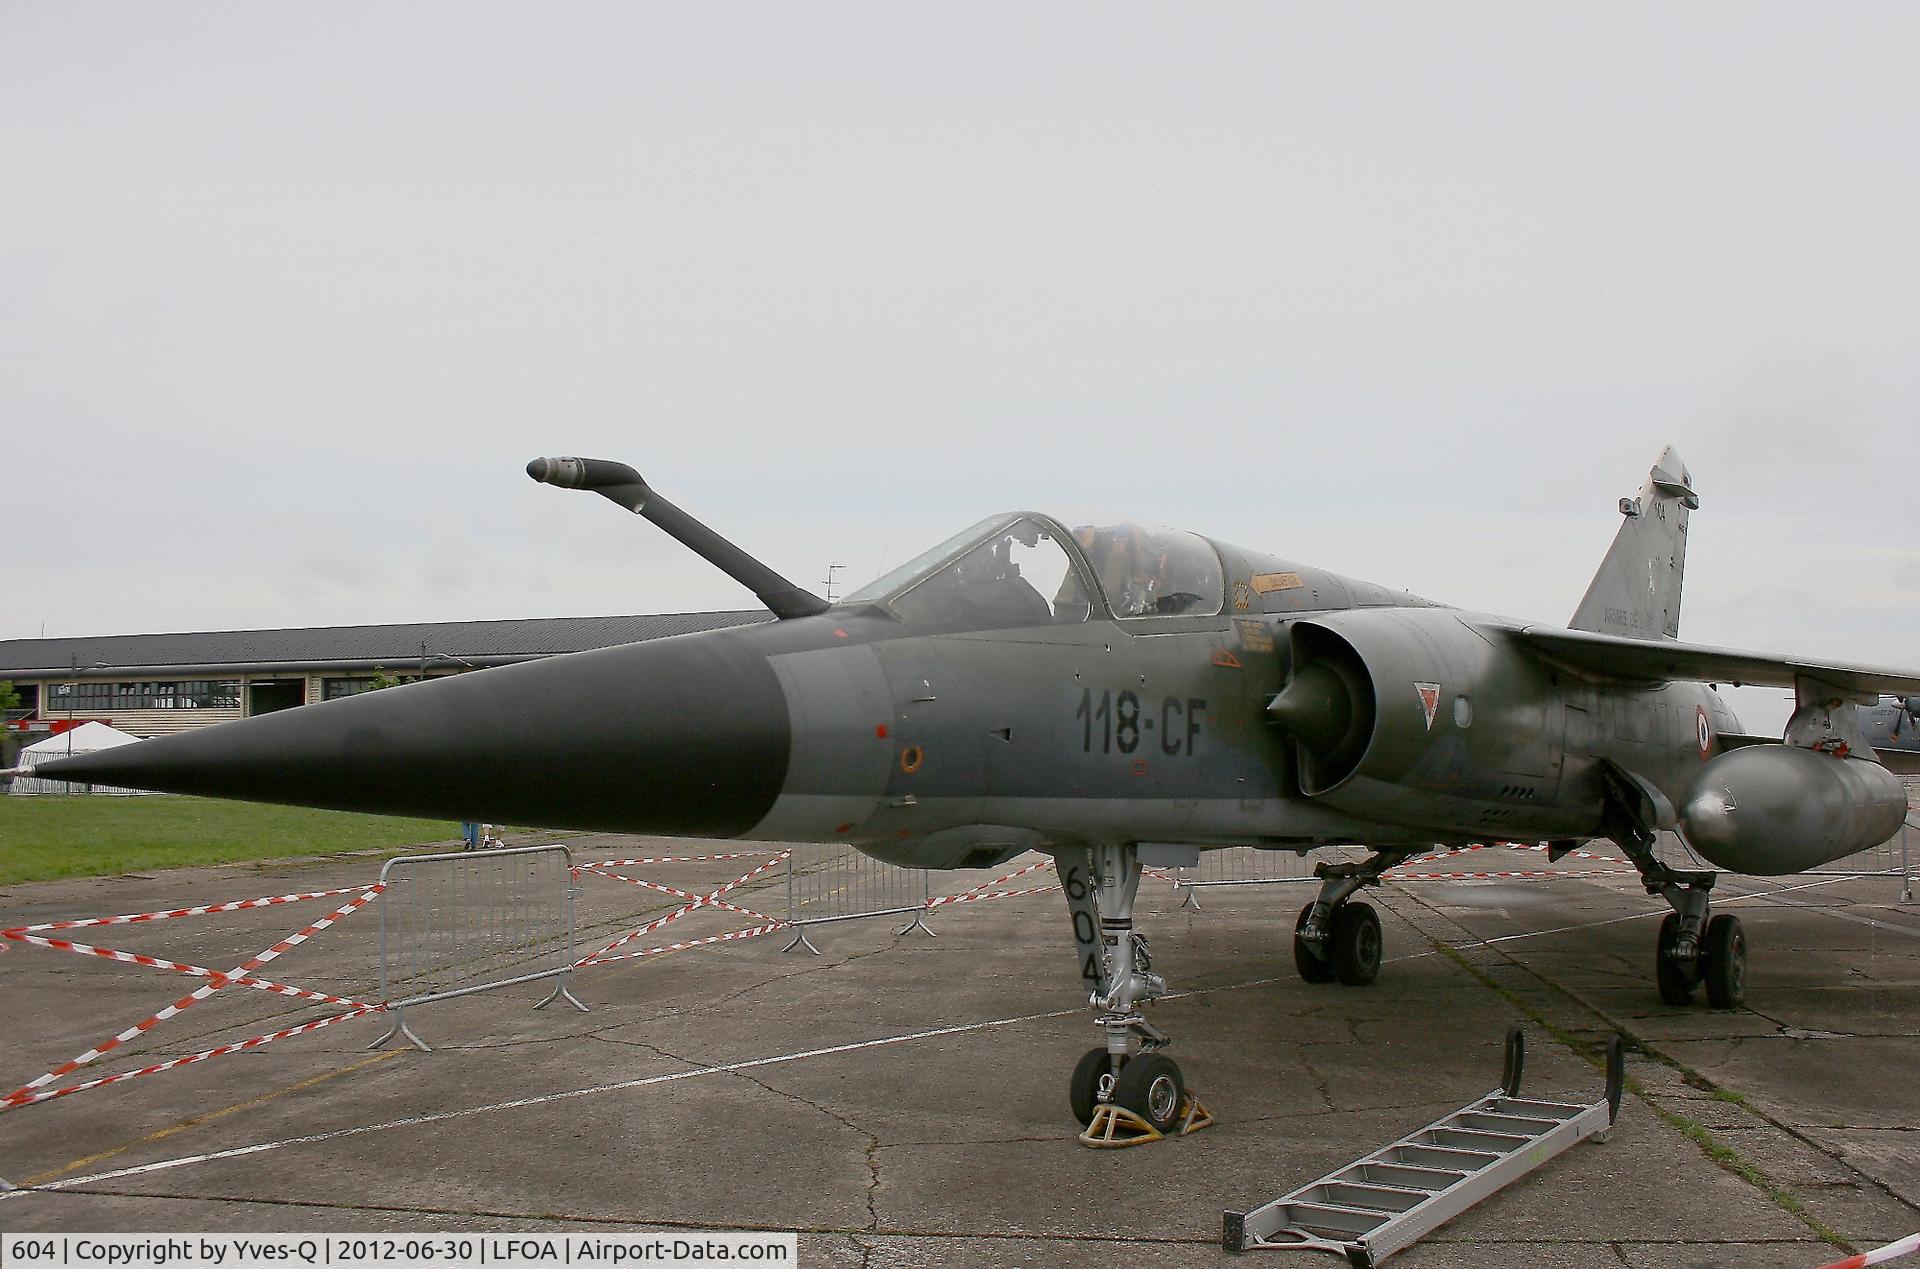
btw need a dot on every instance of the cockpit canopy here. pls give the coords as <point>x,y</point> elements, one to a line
<point>1029,569</point>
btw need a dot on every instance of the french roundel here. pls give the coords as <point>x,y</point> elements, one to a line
<point>1703,732</point>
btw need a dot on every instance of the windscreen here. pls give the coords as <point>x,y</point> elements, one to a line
<point>1001,573</point>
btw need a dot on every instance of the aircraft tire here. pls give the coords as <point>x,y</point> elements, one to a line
<point>1676,984</point>
<point>1084,1091</point>
<point>1357,945</point>
<point>1152,1087</point>
<point>1311,967</point>
<point>1725,952</point>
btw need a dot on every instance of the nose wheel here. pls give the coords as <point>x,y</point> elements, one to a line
<point>1092,1085</point>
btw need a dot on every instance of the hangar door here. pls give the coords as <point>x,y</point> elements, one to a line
<point>268,695</point>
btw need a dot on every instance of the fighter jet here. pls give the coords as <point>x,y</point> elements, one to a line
<point>1893,729</point>
<point>1102,689</point>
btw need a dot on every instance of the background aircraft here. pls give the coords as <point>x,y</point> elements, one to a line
<point>1892,727</point>
<point>1104,689</point>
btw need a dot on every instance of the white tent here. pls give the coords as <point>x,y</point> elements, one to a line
<point>86,738</point>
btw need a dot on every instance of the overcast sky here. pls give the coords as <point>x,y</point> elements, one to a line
<point>290,294</point>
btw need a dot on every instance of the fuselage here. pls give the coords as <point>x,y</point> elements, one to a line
<point>967,710</point>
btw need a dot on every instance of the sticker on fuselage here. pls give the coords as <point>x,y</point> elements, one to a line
<point>1429,700</point>
<point>1264,583</point>
<point>1255,636</point>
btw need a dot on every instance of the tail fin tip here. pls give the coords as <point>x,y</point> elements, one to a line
<point>1636,592</point>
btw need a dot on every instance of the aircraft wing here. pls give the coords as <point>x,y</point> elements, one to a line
<point>1649,660</point>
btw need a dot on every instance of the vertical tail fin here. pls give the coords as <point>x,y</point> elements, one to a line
<point>1636,593</point>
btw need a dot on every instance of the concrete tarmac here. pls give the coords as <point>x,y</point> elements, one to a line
<point>901,1099</point>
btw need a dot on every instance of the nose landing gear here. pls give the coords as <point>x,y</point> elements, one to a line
<point>1127,1091</point>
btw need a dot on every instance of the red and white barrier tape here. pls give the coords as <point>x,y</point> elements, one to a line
<point>973,896</point>
<point>187,1002</point>
<point>1879,1255</point>
<point>728,937</point>
<point>1537,847</point>
<point>708,900</point>
<point>609,954</point>
<point>673,859</point>
<point>985,890</point>
<point>1484,876</point>
<point>178,967</point>
<point>207,910</point>
<point>677,913</point>
<point>22,1097</point>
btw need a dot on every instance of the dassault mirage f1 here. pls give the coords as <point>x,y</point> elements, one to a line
<point>1103,690</point>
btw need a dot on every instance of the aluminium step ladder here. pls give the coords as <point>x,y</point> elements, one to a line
<point>1386,1202</point>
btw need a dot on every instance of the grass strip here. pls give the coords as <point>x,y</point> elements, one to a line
<point>52,837</point>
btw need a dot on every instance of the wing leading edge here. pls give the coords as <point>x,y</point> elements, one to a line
<point>1645,661</point>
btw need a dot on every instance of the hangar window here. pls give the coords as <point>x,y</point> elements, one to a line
<point>104,698</point>
<point>334,689</point>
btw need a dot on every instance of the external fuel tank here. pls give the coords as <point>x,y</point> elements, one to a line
<point>1769,810</point>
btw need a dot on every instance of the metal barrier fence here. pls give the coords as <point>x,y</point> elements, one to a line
<point>839,883</point>
<point>1893,859</point>
<point>1897,859</point>
<point>456,924</point>
<point>1249,866</point>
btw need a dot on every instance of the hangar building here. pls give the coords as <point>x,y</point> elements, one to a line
<point>156,684</point>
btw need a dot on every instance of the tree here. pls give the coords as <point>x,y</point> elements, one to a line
<point>381,678</point>
<point>9,695</point>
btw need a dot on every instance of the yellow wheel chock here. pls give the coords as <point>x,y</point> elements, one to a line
<point>1113,1127</point>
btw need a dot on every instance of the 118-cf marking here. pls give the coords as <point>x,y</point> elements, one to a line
<point>1118,723</point>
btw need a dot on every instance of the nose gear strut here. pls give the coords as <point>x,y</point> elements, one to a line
<point>1126,1091</point>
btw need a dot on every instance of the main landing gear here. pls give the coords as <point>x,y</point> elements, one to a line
<point>1694,948</point>
<point>1334,938</point>
<point>1126,1091</point>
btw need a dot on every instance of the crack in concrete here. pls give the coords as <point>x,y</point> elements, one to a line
<point>872,1148</point>
<point>654,1049</point>
<point>1866,1127</point>
<point>805,968</point>
<point>1320,1084</point>
<point>578,1218</point>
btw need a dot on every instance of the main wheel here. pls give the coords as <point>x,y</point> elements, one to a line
<point>1084,1092</point>
<point>1725,953</point>
<point>1305,959</point>
<point>1151,1087</point>
<point>1675,979</point>
<point>1356,944</point>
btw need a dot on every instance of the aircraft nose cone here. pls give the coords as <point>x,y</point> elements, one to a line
<point>683,736</point>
